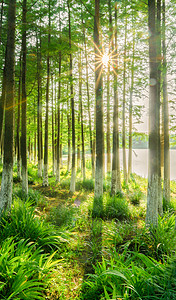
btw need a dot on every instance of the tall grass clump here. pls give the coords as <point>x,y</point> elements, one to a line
<point>24,271</point>
<point>137,278</point>
<point>116,208</point>
<point>22,223</point>
<point>87,185</point>
<point>62,215</point>
<point>157,242</point>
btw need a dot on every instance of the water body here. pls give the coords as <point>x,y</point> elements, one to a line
<point>140,162</point>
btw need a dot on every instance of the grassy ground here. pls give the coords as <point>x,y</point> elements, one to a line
<point>98,245</point>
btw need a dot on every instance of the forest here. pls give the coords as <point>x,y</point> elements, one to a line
<point>87,102</point>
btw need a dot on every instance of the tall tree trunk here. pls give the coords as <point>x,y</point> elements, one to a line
<point>61,137</point>
<point>116,178</point>
<point>124,104</point>
<point>7,174</point>
<point>58,124</point>
<point>152,196</point>
<point>131,111</point>
<point>82,125</point>
<point>39,111</point>
<point>88,105</point>
<point>158,32</point>
<point>53,129</point>
<point>2,102</point>
<point>35,136</point>
<point>24,105</point>
<point>99,107</point>
<point>79,140</point>
<point>108,93</point>
<point>2,10</point>
<point>18,128</point>
<point>166,184</point>
<point>45,171</point>
<point>69,137</point>
<point>73,172</point>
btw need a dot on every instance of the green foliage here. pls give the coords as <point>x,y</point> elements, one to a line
<point>62,215</point>
<point>158,242</point>
<point>24,271</point>
<point>87,185</point>
<point>97,211</point>
<point>22,223</point>
<point>117,208</point>
<point>135,197</point>
<point>137,278</point>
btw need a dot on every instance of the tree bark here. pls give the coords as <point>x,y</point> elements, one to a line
<point>116,177</point>
<point>166,183</point>
<point>73,171</point>
<point>82,124</point>
<point>88,105</point>
<point>131,110</point>
<point>7,174</point>
<point>123,107</point>
<point>24,105</point>
<point>99,107</point>
<point>58,124</point>
<point>45,172</point>
<point>152,196</point>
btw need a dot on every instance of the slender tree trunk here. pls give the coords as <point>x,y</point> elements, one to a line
<point>82,124</point>
<point>61,137</point>
<point>108,93</point>
<point>45,173</point>
<point>39,111</point>
<point>24,105</point>
<point>124,104</point>
<point>166,184</point>
<point>58,124</point>
<point>131,111</point>
<point>18,128</point>
<point>69,137</point>
<point>2,10</point>
<point>152,197</point>
<point>158,32</point>
<point>88,105</point>
<point>99,107</point>
<point>2,103</point>
<point>35,136</point>
<point>116,178</point>
<point>73,171</point>
<point>7,174</point>
<point>53,129</point>
<point>79,140</point>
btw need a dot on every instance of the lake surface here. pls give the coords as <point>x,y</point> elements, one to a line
<point>140,162</point>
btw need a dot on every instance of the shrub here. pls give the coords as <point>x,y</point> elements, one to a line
<point>135,197</point>
<point>62,215</point>
<point>24,271</point>
<point>137,278</point>
<point>117,208</point>
<point>23,224</point>
<point>160,241</point>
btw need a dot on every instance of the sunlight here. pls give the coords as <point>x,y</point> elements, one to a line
<point>105,59</point>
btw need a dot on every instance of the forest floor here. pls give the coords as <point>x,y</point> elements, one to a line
<point>89,240</point>
<point>73,213</point>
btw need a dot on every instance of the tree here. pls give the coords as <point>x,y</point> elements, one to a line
<point>7,174</point>
<point>24,173</point>
<point>45,171</point>
<point>152,196</point>
<point>115,179</point>
<point>99,105</point>
<point>166,184</point>
<point>73,171</point>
